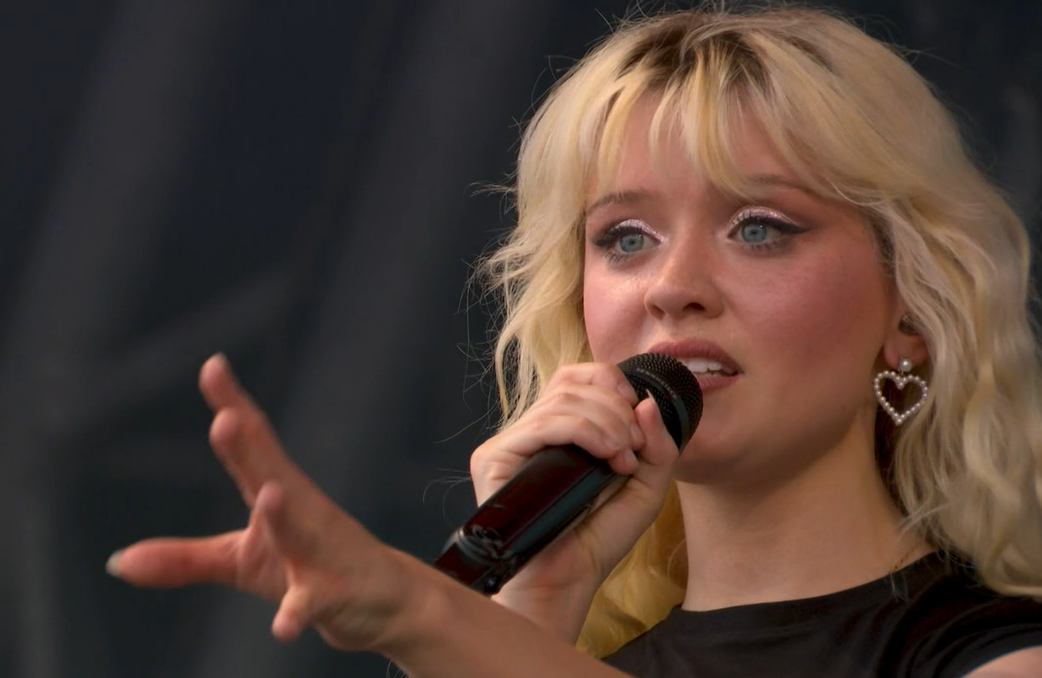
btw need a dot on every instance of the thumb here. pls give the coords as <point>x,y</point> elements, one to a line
<point>659,453</point>
<point>639,499</point>
<point>293,542</point>
<point>613,527</point>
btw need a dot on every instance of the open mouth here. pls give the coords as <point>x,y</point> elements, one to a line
<point>703,367</point>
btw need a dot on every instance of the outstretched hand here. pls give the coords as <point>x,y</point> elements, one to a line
<point>299,550</point>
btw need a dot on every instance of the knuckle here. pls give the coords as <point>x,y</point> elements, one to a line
<point>562,398</point>
<point>482,456</point>
<point>257,423</point>
<point>569,372</point>
<point>539,426</point>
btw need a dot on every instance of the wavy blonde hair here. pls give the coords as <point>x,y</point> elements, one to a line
<point>854,122</point>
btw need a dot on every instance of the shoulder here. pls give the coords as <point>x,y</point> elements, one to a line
<point>954,627</point>
<point>1026,663</point>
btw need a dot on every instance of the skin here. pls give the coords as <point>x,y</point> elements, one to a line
<point>808,311</point>
<point>779,486</point>
<point>794,487</point>
<point>324,570</point>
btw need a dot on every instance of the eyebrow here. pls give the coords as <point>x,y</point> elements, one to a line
<point>629,197</point>
<point>778,180</point>
<point>617,198</point>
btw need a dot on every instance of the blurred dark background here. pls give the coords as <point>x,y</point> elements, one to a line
<point>295,184</point>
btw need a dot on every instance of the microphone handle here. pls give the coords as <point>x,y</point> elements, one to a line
<point>553,490</point>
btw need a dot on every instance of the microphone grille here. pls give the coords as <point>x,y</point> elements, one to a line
<point>674,389</point>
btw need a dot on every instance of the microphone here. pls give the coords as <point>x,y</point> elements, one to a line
<point>557,486</point>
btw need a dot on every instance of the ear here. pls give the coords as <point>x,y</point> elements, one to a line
<point>904,341</point>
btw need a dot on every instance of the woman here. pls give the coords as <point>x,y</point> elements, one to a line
<point>781,203</point>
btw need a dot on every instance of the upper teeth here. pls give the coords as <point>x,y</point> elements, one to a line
<point>703,365</point>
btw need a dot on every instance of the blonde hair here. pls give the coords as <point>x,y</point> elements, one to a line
<point>854,122</point>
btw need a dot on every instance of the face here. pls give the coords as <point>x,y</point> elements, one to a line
<point>779,305</point>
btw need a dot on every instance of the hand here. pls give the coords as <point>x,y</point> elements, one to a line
<point>299,549</point>
<point>593,406</point>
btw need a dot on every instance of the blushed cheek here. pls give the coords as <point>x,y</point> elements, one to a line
<point>597,321</point>
<point>832,314</point>
<point>610,319</point>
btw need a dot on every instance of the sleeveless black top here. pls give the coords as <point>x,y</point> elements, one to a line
<point>928,620</point>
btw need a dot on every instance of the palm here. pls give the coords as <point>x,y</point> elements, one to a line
<point>285,553</point>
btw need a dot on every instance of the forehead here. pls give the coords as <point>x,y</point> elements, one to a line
<point>655,143</point>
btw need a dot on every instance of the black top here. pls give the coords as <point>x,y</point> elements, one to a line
<point>928,620</point>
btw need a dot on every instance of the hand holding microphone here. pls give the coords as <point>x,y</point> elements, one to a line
<point>588,406</point>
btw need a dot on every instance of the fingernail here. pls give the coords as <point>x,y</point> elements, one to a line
<point>631,459</point>
<point>226,365</point>
<point>658,412</point>
<point>612,444</point>
<point>223,360</point>
<point>112,564</point>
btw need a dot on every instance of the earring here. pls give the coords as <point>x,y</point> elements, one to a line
<point>904,366</point>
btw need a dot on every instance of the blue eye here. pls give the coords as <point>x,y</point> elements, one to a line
<point>762,229</point>
<point>753,232</point>
<point>625,239</point>
<point>631,242</point>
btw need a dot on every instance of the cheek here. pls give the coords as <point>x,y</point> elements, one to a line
<point>827,318</point>
<point>611,313</point>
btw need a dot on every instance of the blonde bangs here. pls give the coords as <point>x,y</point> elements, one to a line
<point>706,109</point>
<point>836,141</point>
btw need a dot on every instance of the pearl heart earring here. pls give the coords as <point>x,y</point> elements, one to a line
<point>904,366</point>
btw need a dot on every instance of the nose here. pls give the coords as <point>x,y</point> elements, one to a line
<point>684,283</point>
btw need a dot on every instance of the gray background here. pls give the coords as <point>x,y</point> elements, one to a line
<point>295,184</point>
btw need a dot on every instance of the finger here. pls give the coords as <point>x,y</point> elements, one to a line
<point>294,615</point>
<point>170,562</point>
<point>657,457</point>
<point>327,552</point>
<point>612,528</point>
<point>299,544</point>
<point>605,407</point>
<point>241,435</point>
<point>659,448</point>
<point>598,374</point>
<point>298,526</point>
<point>611,415</point>
<point>500,457</point>
<point>655,467</point>
<point>638,500</point>
<point>219,386</point>
<point>251,455</point>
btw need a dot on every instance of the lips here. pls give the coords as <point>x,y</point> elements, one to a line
<point>712,366</point>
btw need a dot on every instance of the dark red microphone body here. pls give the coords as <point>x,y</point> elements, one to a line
<point>558,485</point>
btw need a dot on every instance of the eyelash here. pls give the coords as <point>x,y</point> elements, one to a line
<point>768,218</point>
<point>608,240</point>
<point>610,237</point>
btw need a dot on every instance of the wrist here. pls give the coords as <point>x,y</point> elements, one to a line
<point>450,631</point>
<point>558,611</point>
<point>419,608</point>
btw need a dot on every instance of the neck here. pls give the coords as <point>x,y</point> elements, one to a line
<point>832,527</point>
